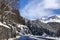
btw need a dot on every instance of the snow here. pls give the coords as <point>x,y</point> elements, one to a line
<point>4,25</point>
<point>51,19</point>
<point>4,22</point>
<point>33,37</point>
<point>29,37</point>
<point>23,29</point>
<point>20,25</point>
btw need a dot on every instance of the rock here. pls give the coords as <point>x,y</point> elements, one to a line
<point>38,28</point>
<point>56,27</point>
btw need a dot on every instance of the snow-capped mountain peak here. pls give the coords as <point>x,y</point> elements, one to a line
<point>54,18</point>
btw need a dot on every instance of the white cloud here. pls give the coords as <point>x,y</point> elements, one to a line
<point>38,8</point>
<point>52,4</point>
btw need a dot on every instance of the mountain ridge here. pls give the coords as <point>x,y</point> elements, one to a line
<point>54,18</point>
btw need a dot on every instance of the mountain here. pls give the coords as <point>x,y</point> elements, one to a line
<point>55,26</point>
<point>9,18</point>
<point>54,18</point>
<point>39,28</point>
<point>54,22</point>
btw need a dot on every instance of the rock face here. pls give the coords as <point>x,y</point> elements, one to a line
<point>39,28</point>
<point>10,17</point>
<point>4,33</point>
<point>13,16</point>
<point>53,18</point>
<point>56,27</point>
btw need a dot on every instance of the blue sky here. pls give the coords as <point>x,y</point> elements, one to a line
<point>33,9</point>
<point>23,3</point>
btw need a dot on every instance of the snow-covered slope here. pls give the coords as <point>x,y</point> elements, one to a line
<point>51,19</point>
<point>23,29</point>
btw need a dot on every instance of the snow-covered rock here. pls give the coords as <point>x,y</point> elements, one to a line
<point>23,29</point>
<point>54,18</point>
<point>4,25</point>
<point>20,25</point>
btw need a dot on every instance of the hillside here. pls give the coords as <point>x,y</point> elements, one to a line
<point>9,18</point>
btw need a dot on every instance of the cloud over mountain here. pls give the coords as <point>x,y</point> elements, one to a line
<point>39,8</point>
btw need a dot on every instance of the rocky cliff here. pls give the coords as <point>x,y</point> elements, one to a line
<point>9,17</point>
